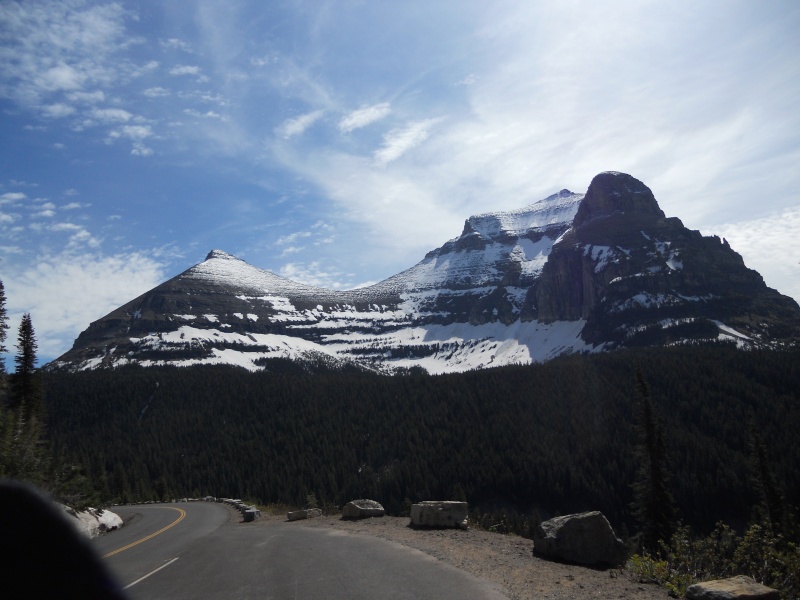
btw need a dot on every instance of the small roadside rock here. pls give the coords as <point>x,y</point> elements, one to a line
<point>507,560</point>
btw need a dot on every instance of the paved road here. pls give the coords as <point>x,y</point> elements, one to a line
<point>204,552</point>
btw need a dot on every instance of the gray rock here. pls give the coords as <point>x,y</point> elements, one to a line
<point>734,588</point>
<point>361,509</point>
<point>584,538</point>
<point>251,514</point>
<point>436,513</point>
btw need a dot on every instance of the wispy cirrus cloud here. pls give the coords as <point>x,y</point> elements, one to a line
<point>298,125</point>
<point>364,116</point>
<point>399,141</point>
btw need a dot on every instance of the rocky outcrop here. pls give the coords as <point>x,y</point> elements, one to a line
<point>446,513</point>
<point>734,588</point>
<point>639,278</point>
<point>362,509</point>
<point>614,193</point>
<point>584,538</point>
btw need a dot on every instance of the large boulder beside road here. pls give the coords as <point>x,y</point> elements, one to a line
<point>439,513</point>
<point>734,588</point>
<point>362,509</point>
<point>584,538</point>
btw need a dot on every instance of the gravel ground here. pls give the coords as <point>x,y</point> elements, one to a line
<point>507,560</point>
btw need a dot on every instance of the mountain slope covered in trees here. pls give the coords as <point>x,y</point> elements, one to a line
<point>543,439</point>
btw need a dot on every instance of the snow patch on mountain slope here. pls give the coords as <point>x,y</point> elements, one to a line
<point>554,210</point>
<point>449,348</point>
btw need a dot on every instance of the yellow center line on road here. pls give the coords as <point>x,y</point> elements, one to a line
<point>152,535</point>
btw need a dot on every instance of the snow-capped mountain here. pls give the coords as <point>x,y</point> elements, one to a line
<point>570,273</point>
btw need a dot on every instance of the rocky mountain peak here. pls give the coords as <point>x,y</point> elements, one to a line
<point>613,193</point>
<point>222,255</point>
<point>570,273</point>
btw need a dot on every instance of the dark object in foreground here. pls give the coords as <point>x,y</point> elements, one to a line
<point>46,557</point>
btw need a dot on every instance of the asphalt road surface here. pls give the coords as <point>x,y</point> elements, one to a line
<point>202,550</point>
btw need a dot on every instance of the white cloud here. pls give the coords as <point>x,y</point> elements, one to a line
<point>177,44</point>
<point>364,116</point>
<point>47,211</point>
<point>200,115</point>
<point>260,61</point>
<point>399,141</point>
<point>65,227</point>
<point>185,70</point>
<point>139,149</point>
<point>11,197</point>
<point>298,125</point>
<point>55,49</point>
<point>315,274</point>
<point>133,132</point>
<point>58,110</point>
<point>60,77</point>
<point>82,238</point>
<point>87,97</point>
<point>204,96</point>
<point>111,115</point>
<point>74,205</point>
<point>156,92</point>
<point>292,237</point>
<point>53,289</point>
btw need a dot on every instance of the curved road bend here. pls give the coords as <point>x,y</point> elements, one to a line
<point>200,550</point>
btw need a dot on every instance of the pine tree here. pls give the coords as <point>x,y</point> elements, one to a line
<point>25,385</point>
<point>3,326</point>
<point>653,505</point>
<point>3,330</point>
<point>24,455</point>
<point>773,505</point>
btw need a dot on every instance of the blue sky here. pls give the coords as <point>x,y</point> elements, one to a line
<point>335,143</point>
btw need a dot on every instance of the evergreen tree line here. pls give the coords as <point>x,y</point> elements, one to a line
<point>672,555</point>
<point>25,453</point>
<point>527,442</point>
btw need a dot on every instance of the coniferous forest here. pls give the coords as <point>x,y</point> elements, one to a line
<point>535,440</point>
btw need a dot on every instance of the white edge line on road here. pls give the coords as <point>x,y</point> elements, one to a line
<point>151,573</point>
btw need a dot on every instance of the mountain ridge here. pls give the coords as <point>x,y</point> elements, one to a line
<point>570,273</point>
